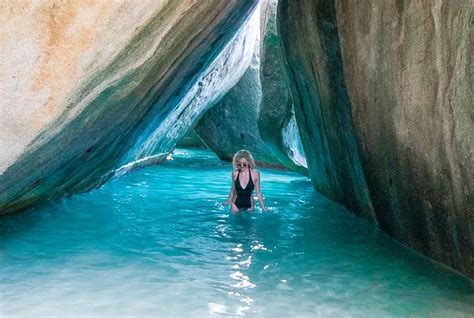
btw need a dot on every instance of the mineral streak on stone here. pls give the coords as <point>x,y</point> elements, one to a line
<point>83,81</point>
<point>408,69</point>
<point>292,143</point>
<point>323,111</point>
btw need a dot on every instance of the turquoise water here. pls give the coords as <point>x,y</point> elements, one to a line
<point>158,242</point>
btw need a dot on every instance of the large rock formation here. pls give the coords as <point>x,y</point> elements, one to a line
<point>86,84</point>
<point>408,69</point>
<point>389,80</point>
<point>257,114</point>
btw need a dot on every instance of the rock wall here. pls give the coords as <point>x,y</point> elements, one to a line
<point>383,93</point>
<point>83,82</point>
<point>277,123</point>
<point>322,107</point>
<point>408,69</point>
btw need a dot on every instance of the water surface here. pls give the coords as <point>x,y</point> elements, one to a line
<point>159,242</point>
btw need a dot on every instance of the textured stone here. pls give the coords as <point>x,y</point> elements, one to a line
<point>83,82</point>
<point>408,69</point>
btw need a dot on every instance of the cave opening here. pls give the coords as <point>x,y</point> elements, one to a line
<point>118,158</point>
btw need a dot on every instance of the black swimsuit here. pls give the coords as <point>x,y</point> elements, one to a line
<point>243,195</point>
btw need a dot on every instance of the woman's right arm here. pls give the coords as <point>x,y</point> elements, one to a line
<point>232,190</point>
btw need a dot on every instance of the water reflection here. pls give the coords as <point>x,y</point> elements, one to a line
<point>159,241</point>
<point>242,232</point>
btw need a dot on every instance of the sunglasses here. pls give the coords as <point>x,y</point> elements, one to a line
<point>242,164</point>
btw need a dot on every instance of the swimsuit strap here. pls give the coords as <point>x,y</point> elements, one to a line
<point>238,177</point>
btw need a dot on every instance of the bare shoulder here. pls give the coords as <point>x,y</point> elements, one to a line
<point>255,174</point>
<point>234,174</point>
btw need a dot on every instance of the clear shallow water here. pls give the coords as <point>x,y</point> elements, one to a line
<point>158,242</point>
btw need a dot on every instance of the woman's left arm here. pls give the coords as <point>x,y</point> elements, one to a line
<point>259,193</point>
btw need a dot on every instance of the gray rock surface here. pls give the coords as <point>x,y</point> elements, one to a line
<point>257,114</point>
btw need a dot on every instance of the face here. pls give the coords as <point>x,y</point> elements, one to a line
<point>242,163</point>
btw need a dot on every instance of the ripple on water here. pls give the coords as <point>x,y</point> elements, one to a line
<point>159,241</point>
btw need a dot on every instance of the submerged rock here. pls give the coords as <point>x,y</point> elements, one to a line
<point>191,140</point>
<point>84,84</point>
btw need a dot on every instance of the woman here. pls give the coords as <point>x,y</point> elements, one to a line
<point>244,180</point>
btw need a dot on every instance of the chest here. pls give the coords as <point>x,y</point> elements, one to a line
<point>244,181</point>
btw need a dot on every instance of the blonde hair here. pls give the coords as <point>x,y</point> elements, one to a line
<point>243,154</point>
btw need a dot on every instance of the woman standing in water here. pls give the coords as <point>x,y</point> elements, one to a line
<point>244,180</point>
